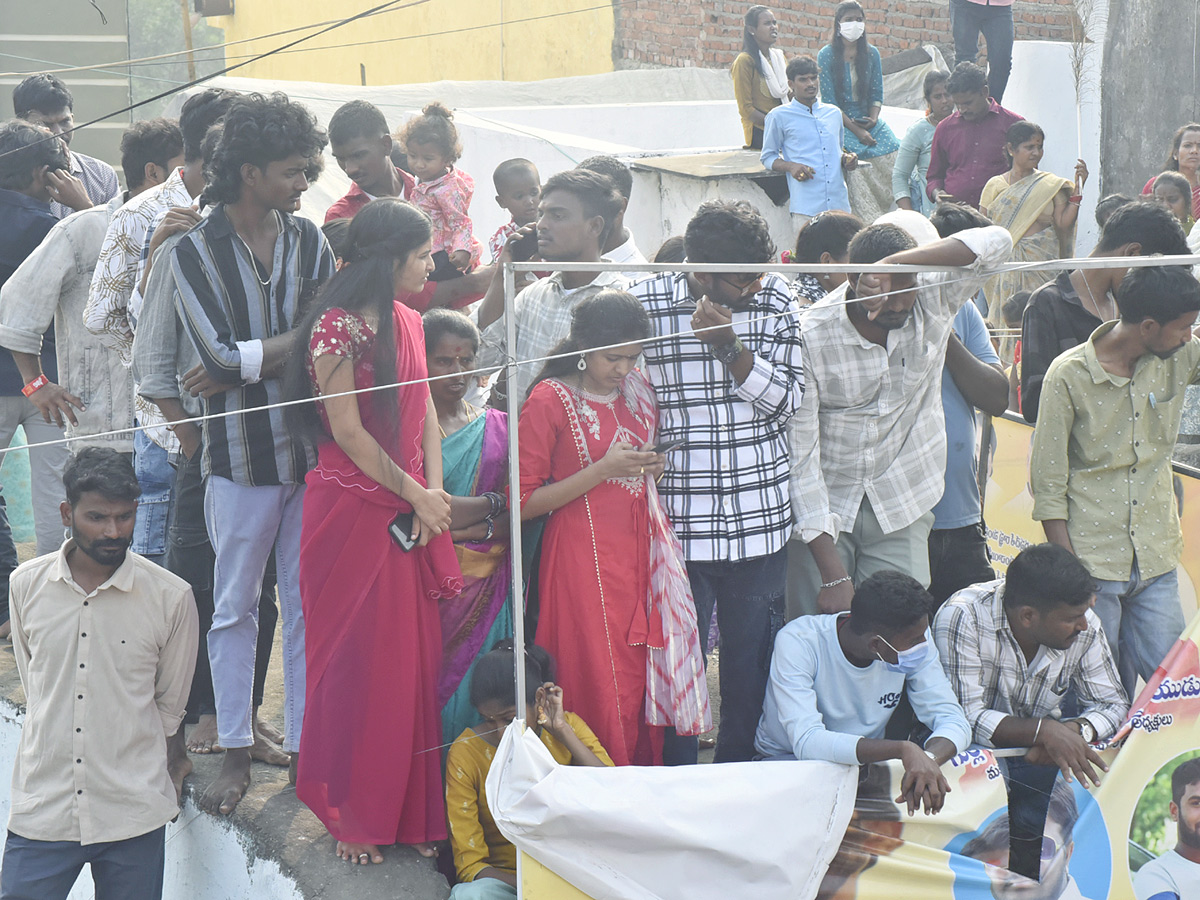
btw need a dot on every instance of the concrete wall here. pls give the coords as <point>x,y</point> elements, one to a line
<point>1150,88</point>
<point>36,35</point>
<point>522,40</point>
<point>671,33</point>
<point>206,858</point>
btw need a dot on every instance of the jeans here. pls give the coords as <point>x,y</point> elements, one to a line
<point>190,556</point>
<point>47,870</point>
<point>1029,789</point>
<point>1142,620</point>
<point>45,467</point>
<point>483,889</point>
<point>157,481</point>
<point>8,557</point>
<point>958,558</point>
<point>996,24</point>
<point>244,523</point>
<point>748,596</point>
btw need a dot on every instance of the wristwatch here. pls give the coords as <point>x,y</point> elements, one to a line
<point>1086,730</point>
<point>727,354</point>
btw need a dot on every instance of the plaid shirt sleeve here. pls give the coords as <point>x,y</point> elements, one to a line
<point>776,380</point>
<point>810,498</point>
<point>1097,683</point>
<point>958,638</point>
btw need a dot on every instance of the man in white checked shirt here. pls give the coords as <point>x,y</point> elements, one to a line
<point>1012,649</point>
<point>728,374</point>
<point>869,442</point>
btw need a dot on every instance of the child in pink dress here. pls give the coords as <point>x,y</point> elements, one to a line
<point>443,192</point>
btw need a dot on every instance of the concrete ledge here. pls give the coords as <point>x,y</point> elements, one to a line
<point>271,848</point>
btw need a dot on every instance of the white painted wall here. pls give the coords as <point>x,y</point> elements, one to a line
<point>205,855</point>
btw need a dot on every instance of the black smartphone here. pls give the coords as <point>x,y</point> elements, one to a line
<point>667,446</point>
<point>401,531</point>
<point>524,248</point>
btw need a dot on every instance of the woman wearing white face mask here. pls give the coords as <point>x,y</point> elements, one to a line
<point>852,79</point>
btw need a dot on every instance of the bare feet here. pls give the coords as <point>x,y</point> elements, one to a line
<point>178,764</point>
<point>359,854</point>
<point>223,795</point>
<point>271,754</point>
<point>203,738</point>
<point>426,848</point>
<point>264,729</point>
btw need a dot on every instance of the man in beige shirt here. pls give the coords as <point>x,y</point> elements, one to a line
<point>1101,463</point>
<point>105,643</point>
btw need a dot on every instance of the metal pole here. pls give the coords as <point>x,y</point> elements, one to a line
<point>514,503</point>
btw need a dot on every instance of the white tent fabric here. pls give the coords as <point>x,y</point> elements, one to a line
<point>761,829</point>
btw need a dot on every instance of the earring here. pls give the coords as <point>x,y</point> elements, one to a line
<point>581,365</point>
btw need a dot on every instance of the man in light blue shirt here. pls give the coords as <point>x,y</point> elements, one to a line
<point>803,139</point>
<point>835,681</point>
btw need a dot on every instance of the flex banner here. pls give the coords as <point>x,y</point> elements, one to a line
<point>772,830</point>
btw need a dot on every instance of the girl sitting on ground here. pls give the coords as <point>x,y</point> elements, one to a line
<point>485,861</point>
<point>443,191</point>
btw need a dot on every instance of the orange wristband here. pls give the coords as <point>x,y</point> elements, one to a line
<point>38,382</point>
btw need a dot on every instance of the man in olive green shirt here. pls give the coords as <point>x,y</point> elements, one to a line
<point>1101,465</point>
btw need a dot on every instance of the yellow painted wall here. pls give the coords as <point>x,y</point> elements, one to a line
<point>407,46</point>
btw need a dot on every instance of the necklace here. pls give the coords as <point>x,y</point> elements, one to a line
<point>1112,304</point>
<point>471,413</point>
<point>254,261</point>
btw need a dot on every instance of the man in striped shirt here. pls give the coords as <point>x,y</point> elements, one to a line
<point>242,278</point>
<point>1012,650</point>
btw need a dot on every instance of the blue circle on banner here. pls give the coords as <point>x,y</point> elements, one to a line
<point>1089,867</point>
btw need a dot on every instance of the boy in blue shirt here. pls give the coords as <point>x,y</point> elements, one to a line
<point>836,679</point>
<point>804,140</point>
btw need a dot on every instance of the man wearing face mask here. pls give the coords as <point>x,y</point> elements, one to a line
<point>835,681</point>
<point>868,446</point>
<point>1012,649</point>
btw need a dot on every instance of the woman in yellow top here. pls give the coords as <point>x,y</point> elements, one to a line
<point>759,74</point>
<point>485,861</point>
<point>1039,209</point>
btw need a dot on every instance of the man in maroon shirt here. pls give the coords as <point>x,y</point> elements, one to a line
<point>361,143</point>
<point>968,145</point>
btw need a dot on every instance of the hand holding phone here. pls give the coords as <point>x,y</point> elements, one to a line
<point>667,446</point>
<point>401,530</point>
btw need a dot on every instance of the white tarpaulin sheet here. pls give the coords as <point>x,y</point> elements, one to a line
<point>766,830</point>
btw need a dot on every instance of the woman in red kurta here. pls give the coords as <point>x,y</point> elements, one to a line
<point>585,461</point>
<point>369,762</point>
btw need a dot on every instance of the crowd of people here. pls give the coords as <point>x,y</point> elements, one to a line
<point>300,424</point>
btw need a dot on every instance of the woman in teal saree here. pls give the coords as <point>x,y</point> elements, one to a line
<point>475,474</point>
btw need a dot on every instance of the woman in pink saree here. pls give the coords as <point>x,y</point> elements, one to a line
<point>369,763</point>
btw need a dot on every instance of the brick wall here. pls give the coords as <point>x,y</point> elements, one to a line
<point>709,34</point>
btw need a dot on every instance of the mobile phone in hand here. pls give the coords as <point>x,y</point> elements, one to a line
<point>401,530</point>
<point>667,446</point>
<point>524,248</point>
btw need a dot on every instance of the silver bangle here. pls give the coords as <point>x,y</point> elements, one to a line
<point>836,582</point>
<point>1037,731</point>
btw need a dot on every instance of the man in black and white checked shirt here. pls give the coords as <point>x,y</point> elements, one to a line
<point>728,372</point>
<point>1013,649</point>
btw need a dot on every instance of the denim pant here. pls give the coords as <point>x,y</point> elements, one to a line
<point>47,870</point>
<point>8,557</point>
<point>190,556</point>
<point>156,478</point>
<point>748,596</point>
<point>483,889</point>
<point>1029,789</point>
<point>968,20</point>
<point>1142,620</point>
<point>958,558</point>
<point>45,467</point>
<point>244,523</point>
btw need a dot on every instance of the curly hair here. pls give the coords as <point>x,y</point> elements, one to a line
<point>200,112</point>
<point>728,231</point>
<point>434,126</point>
<point>261,129</point>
